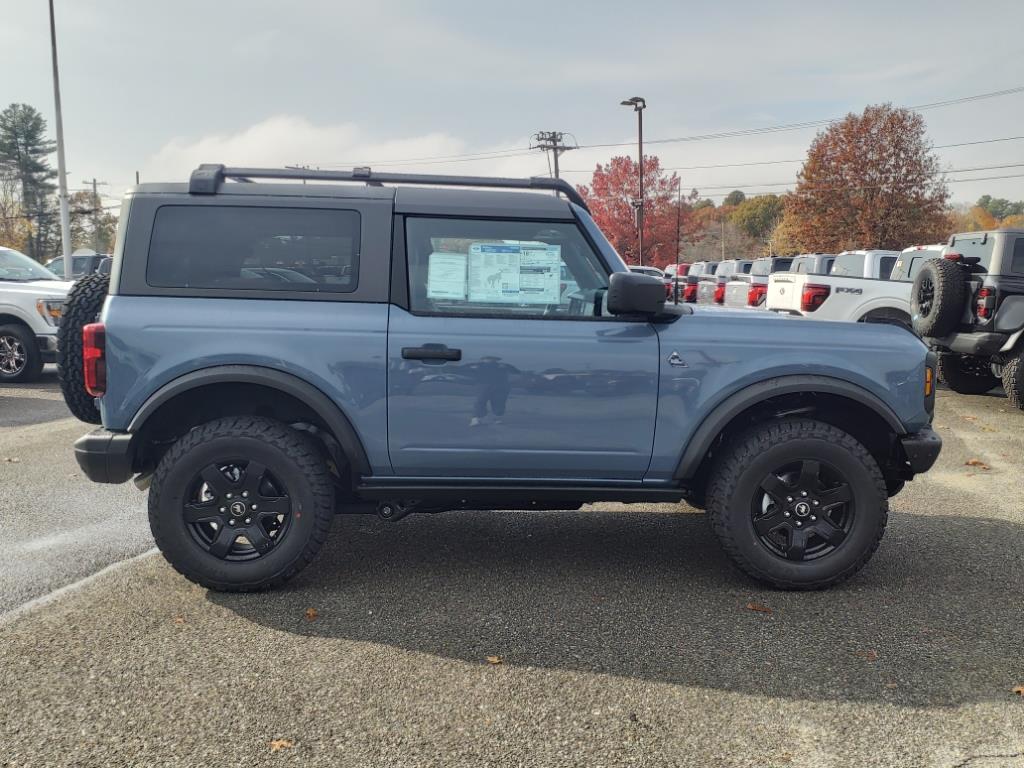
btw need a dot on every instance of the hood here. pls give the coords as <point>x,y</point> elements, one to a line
<point>40,289</point>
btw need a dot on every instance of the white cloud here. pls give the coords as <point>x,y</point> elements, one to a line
<point>294,140</point>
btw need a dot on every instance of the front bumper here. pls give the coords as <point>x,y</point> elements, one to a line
<point>922,449</point>
<point>980,344</point>
<point>105,457</point>
<point>47,344</point>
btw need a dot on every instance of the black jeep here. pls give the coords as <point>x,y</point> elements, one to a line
<point>969,306</point>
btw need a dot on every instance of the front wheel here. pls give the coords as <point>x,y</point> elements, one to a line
<point>241,504</point>
<point>20,359</point>
<point>798,504</point>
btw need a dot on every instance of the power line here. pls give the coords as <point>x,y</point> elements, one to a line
<point>796,160</point>
<point>520,151</point>
<point>551,141</point>
<point>803,125</point>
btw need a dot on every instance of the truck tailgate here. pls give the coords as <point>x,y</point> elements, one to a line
<point>784,289</point>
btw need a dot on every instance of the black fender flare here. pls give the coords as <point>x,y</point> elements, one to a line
<point>713,424</point>
<point>287,383</point>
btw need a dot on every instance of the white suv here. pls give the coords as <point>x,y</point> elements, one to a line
<point>31,302</point>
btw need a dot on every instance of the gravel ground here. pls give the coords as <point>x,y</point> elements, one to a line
<point>623,635</point>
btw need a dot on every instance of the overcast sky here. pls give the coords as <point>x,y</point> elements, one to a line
<point>158,87</point>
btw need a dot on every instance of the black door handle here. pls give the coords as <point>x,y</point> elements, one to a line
<point>431,352</point>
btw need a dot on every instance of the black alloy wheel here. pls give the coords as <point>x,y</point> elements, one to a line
<point>237,510</point>
<point>803,510</point>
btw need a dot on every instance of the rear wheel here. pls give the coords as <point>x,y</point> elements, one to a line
<point>799,504</point>
<point>241,504</point>
<point>966,374</point>
<point>83,306</point>
<point>20,359</point>
<point>1013,380</point>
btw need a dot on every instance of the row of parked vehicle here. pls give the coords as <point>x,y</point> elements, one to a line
<point>965,298</point>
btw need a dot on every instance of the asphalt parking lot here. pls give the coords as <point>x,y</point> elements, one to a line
<point>610,636</point>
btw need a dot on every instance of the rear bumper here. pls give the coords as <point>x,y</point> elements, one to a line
<point>922,449</point>
<point>105,457</point>
<point>981,344</point>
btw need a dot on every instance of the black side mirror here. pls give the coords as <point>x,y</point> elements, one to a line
<point>630,293</point>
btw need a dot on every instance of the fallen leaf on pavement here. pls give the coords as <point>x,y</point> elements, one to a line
<point>276,745</point>
<point>758,607</point>
<point>1019,690</point>
<point>312,614</point>
<point>976,463</point>
<point>970,418</point>
<point>495,660</point>
<point>868,655</point>
<point>179,619</point>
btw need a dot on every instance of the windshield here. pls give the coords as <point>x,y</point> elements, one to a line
<point>19,268</point>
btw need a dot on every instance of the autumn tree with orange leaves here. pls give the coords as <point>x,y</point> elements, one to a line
<point>610,197</point>
<point>870,181</point>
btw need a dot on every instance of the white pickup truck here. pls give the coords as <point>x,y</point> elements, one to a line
<point>31,302</point>
<point>857,289</point>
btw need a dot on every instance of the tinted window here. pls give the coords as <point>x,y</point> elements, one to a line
<point>885,265</point>
<point>781,265</point>
<point>476,267</point>
<point>262,249</point>
<point>799,265</point>
<point>980,246</point>
<point>745,266</point>
<point>826,265</point>
<point>848,264</point>
<point>1017,265</point>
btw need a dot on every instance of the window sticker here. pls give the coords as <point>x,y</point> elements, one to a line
<point>514,273</point>
<point>446,276</point>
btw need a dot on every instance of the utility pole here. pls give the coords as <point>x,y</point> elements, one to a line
<point>639,104</point>
<point>551,141</point>
<point>62,177</point>
<point>97,211</point>
<point>679,241</point>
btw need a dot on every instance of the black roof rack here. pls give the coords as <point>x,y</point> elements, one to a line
<point>207,178</point>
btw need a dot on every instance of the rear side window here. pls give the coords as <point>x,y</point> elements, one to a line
<point>885,265</point>
<point>1017,264</point>
<point>781,265</point>
<point>249,248</point>
<point>799,265</point>
<point>849,264</point>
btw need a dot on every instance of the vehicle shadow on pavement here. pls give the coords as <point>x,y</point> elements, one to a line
<point>934,620</point>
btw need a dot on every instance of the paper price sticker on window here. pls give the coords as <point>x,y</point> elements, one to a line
<point>446,276</point>
<point>514,273</point>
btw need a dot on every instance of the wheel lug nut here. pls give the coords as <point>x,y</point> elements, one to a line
<point>231,522</point>
<point>785,514</point>
<point>803,493</point>
<point>228,495</point>
<point>223,509</point>
<point>245,494</point>
<point>248,520</point>
<point>798,524</point>
<point>813,517</point>
<point>815,502</point>
<point>789,498</point>
<point>255,506</point>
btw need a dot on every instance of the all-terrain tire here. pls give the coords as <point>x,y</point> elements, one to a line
<point>1013,380</point>
<point>937,297</point>
<point>296,465</point>
<point>965,374</point>
<point>753,456</point>
<point>20,353</point>
<point>83,305</point>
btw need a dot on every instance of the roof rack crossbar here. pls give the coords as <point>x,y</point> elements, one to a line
<point>206,179</point>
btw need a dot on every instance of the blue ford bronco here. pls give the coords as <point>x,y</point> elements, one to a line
<point>269,353</point>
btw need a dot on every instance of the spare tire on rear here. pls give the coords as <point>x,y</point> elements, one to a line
<point>937,297</point>
<point>83,305</point>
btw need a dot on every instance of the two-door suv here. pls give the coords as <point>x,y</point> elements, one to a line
<point>270,354</point>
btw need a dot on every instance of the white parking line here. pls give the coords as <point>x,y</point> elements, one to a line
<point>47,599</point>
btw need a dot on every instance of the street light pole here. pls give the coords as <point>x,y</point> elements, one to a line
<point>639,104</point>
<point>65,215</point>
